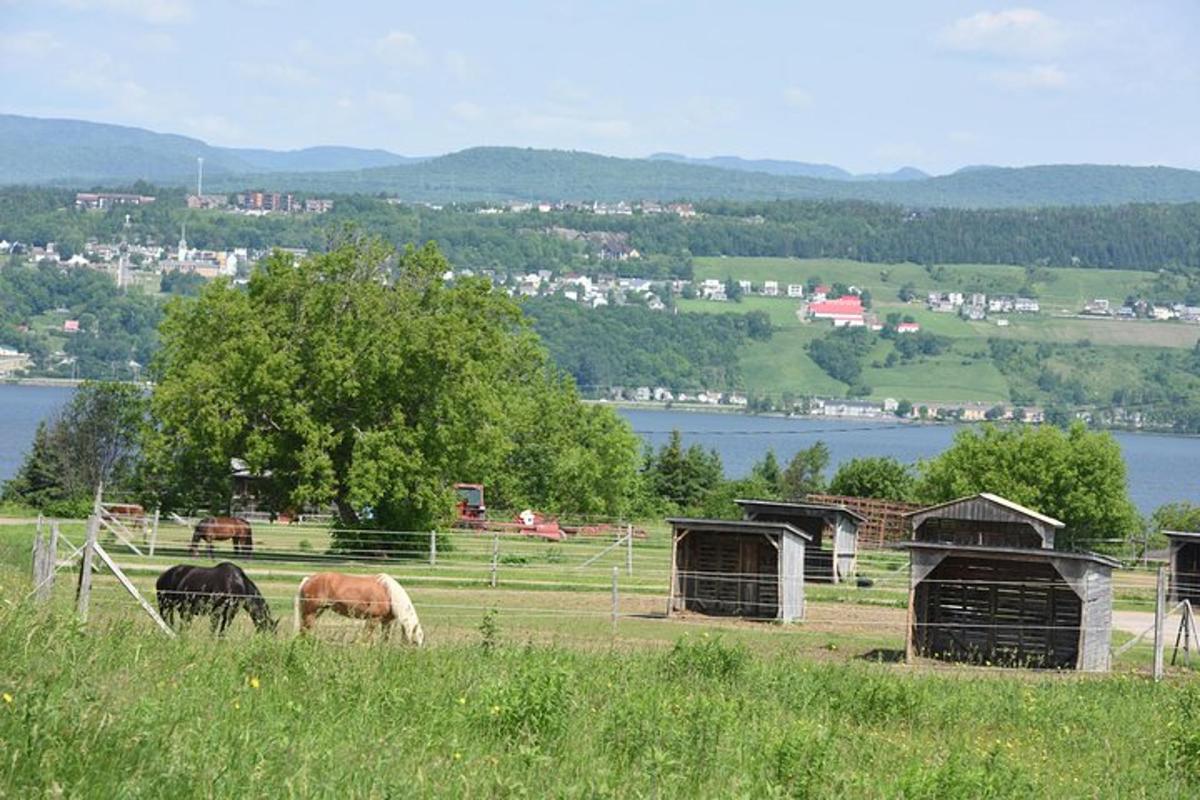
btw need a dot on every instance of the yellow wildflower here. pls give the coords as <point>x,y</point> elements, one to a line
<point>7,697</point>
<point>253,682</point>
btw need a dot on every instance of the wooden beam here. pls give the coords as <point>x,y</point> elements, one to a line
<point>129,587</point>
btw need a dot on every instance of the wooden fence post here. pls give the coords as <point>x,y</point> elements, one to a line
<point>85,569</point>
<point>46,587</point>
<point>629,549</point>
<point>433,548</point>
<point>616,601</point>
<point>154,531</point>
<point>39,559</point>
<point>495,555</point>
<point>1160,619</point>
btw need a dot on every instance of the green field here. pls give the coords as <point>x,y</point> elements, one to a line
<point>1059,290</point>
<point>965,373</point>
<point>549,700</point>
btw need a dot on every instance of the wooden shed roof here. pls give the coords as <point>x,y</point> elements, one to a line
<point>736,526</point>
<point>801,509</point>
<point>1016,508</point>
<point>1026,553</point>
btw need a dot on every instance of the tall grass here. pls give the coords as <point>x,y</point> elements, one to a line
<point>111,712</point>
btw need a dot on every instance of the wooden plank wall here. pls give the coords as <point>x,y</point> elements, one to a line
<point>998,612</point>
<point>729,575</point>
<point>1185,572</point>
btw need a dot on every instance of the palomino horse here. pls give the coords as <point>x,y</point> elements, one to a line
<point>375,598</point>
<point>213,529</point>
<point>219,592</point>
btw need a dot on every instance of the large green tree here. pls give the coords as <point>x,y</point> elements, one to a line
<point>1075,475</point>
<point>881,477</point>
<point>357,378</point>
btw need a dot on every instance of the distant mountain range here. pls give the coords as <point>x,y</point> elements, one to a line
<point>801,168</point>
<point>82,154</point>
<point>72,151</point>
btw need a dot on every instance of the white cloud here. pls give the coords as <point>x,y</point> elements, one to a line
<point>277,72</point>
<point>467,111</point>
<point>458,65</point>
<point>29,44</point>
<point>1014,32</point>
<point>797,98</point>
<point>155,11</point>
<point>394,104</point>
<point>573,125</point>
<point>157,42</point>
<point>962,137</point>
<point>399,47</point>
<point>1032,78</point>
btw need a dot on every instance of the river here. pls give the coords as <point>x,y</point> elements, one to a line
<point>1161,468</point>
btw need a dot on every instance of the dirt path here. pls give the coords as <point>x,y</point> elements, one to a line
<point>1133,622</point>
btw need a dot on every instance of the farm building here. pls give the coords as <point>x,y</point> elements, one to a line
<point>737,568</point>
<point>832,553</point>
<point>987,586</point>
<point>1185,566</point>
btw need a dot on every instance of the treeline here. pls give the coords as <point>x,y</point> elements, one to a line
<point>634,346</point>
<point>1144,236</point>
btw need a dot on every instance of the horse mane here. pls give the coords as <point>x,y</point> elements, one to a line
<point>402,608</point>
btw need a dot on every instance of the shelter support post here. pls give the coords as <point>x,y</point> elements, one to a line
<point>433,548</point>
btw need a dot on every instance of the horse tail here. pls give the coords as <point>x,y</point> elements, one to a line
<point>296,602</point>
<point>403,610</point>
<point>248,539</point>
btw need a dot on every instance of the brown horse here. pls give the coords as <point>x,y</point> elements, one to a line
<point>375,598</point>
<point>214,529</point>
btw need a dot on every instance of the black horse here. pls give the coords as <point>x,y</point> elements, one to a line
<point>218,592</point>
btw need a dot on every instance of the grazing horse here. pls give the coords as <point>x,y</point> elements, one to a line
<point>375,598</point>
<point>219,592</point>
<point>212,529</point>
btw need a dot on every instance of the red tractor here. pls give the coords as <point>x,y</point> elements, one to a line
<point>471,511</point>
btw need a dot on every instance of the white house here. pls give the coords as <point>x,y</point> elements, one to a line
<point>795,290</point>
<point>770,289</point>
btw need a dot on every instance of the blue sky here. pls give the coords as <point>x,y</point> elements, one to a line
<point>865,85</point>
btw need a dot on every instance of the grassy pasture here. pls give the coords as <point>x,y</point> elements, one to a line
<point>554,704</point>
<point>1057,289</point>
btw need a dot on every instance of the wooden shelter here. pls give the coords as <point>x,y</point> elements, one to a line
<point>832,554</point>
<point>1185,566</point>
<point>987,586</point>
<point>737,568</point>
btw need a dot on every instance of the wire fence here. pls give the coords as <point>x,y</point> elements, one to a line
<point>560,591</point>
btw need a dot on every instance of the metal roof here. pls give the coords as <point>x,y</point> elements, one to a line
<point>1182,534</point>
<point>998,500</point>
<point>737,526</point>
<point>1027,552</point>
<point>792,506</point>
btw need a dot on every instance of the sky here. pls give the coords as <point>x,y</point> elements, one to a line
<point>865,85</point>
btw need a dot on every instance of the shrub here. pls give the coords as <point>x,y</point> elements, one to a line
<point>708,657</point>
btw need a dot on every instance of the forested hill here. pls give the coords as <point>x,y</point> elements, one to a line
<point>80,154</point>
<point>76,152</point>
<point>1144,237</point>
<point>504,173</point>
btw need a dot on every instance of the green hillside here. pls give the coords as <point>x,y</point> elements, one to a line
<point>1051,358</point>
<point>78,153</point>
<point>505,173</point>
